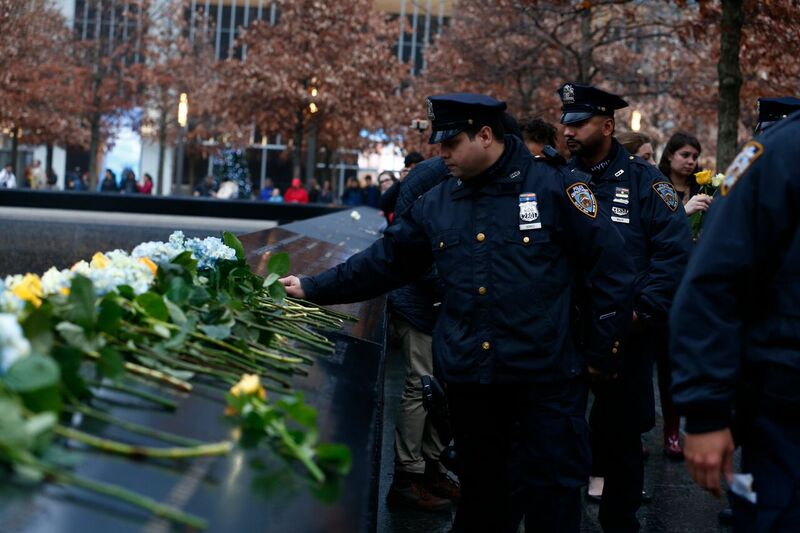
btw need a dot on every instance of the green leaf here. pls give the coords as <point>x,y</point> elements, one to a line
<point>32,373</point>
<point>334,457</point>
<point>153,305</point>
<point>272,278</point>
<point>231,240</point>
<point>126,291</point>
<point>81,299</point>
<point>279,264</point>
<point>110,364</point>
<point>199,297</point>
<point>277,291</point>
<point>298,410</point>
<point>38,329</point>
<point>69,360</point>
<point>179,291</point>
<point>162,331</point>
<point>14,435</point>
<point>216,331</point>
<point>76,336</point>
<point>176,314</point>
<point>110,315</point>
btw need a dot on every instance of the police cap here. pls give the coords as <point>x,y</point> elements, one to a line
<point>771,110</point>
<point>582,102</point>
<point>450,114</point>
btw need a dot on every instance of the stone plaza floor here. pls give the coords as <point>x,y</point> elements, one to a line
<point>678,505</point>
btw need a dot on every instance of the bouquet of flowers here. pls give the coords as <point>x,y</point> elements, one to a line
<point>709,183</point>
<point>168,313</point>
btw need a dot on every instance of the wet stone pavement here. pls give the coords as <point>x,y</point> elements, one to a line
<point>678,505</point>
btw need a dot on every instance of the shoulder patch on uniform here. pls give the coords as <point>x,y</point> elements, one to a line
<point>666,192</point>
<point>750,152</point>
<point>583,199</point>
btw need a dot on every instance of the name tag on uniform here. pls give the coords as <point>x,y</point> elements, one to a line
<point>620,214</point>
<point>621,220</point>
<point>528,212</point>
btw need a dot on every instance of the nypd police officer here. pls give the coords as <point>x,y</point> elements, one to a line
<point>643,207</point>
<point>739,374</point>
<point>771,110</point>
<point>508,235</point>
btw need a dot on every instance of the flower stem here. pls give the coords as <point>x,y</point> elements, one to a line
<point>118,387</point>
<point>120,448</point>
<point>131,426</point>
<point>115,491</point>
<point>157,375</point>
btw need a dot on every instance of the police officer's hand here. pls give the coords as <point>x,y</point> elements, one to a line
<point>698,202</point>
<point>707,456</point>
<point>293,286</point>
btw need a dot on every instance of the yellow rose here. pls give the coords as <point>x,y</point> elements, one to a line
<point>250,384</point>
<point>99,261</point>
<point>149,264</point>
<point>716,181</point>
<point>29,289</point>
<point>703,177</point>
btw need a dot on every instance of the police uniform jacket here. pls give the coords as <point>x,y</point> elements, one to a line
<point>738,307</point>
<point>418,301</point>
<point>644,207</point>
<point>507,291</point>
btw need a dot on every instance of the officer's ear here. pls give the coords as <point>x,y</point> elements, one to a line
<point>485,136</point>
<point>609,126</point>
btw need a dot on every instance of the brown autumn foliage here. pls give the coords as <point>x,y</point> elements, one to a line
<point>38,93</point>
<point>325,68</point>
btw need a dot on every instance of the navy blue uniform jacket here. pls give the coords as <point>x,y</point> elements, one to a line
<point>507,291</point>
<point>739,303</point>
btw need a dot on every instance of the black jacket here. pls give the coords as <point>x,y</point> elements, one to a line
<point>737,310</point>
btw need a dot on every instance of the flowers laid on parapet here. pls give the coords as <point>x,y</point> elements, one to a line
<point>167,313</point>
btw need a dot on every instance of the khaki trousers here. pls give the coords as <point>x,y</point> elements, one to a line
<point>415,437</point>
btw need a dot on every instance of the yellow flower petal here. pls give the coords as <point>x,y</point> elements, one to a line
<point>149,264</point>
<point>99,260</point>
<point>29,289</point>
<point>249,384</point>
<point>703,177</point>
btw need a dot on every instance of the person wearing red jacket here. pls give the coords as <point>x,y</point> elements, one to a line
<point>296,194</point>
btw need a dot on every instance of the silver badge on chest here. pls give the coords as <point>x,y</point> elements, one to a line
<point>528,212</point>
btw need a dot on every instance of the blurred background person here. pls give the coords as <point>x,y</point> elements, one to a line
<point>266,191</point>
<point>313,191</point>
<point>276,197</point>
<point>146,186</point>
<point>128,185</point>
<point>352,193</point>
<point>108,183</point>
<point>296,194</point>
<point>326,194</point>
<point>537,134</point>
<point>7,178</point>
<point>679,164</point>
<point>638,144</point>
<point>207,188</point>
<point>409,162</point>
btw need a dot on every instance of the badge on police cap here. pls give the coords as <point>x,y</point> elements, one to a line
<point>528,212</point>
<point>750,152</point>
<point>568,94</point>
<point>666,192</point>
<point>431,116</point>
<point>583,199</point>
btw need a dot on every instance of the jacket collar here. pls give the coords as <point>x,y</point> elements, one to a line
<point>503,177</point>
<point>615,171</point>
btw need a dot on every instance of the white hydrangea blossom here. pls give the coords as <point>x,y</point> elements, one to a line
<point>122,269</point>
<point>56,281</point>
<point>10,302</point>
<point>206,251</point>
<point>13,344</point>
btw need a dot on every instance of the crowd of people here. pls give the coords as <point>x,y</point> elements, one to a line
<point>528,265</point>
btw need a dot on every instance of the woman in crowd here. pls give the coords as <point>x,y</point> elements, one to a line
<point>679,163</point>
<point>146,187</point>
<point>638,144</point>
<point>326,194</point>
<point>109,182</point>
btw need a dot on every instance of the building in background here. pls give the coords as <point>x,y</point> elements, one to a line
<point>419,22</point>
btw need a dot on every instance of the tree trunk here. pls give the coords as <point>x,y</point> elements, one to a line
<point>162,141</point>
<point>48,159</point>
<point>94,146</point>
<point>297,149</point>
<point>586,46</point>
<point>730,81</point>
<point>15,156</point>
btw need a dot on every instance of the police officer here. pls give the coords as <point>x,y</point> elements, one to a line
<point>508,235</point>
<point>643,206</point>
<point>740,371</point>
<point>771,110</point>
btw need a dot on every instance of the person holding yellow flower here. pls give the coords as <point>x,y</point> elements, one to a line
<point>679,164</point>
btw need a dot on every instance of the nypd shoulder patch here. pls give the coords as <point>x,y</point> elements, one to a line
<point>750,152</point>
<point>666,192</point>
<point>583,199</point>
